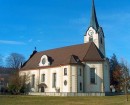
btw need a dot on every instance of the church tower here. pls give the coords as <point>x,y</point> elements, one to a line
<point>95,32</point>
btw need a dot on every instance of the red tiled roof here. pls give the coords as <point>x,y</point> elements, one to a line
<point>66,55</point>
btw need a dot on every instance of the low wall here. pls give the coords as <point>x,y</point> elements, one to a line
<point>68,94</point>
<point>114,93</point>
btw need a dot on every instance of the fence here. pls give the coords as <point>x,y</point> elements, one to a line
<point>67,94</point>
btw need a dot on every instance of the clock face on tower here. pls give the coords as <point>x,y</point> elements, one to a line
<point>90,33</point>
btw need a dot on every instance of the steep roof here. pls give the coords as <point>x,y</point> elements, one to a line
<point>94,21</point>
<point>74,54</point>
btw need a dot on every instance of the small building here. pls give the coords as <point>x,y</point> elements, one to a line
<point>80,68</point>
<point>5,73</point>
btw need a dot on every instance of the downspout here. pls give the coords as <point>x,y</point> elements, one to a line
<point>39,80</point>
<point>70,79</point>
<point>77,78</point>
<point>103,68</point>
<point>83,78</point>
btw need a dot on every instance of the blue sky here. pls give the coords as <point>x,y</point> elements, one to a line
<point>49,24</point>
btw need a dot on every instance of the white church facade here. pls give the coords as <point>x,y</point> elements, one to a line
<point>80,68</point>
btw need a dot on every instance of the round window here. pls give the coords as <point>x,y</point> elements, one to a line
<point>65,82</point>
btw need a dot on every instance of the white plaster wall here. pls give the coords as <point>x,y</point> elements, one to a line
<point>74,79</point>
<point>47,80</point>
<point>67,78</point>
<point>60,78</point>
<point>95,37</point>
<point>80,78</point>
<point>96,40</point>
<point>30,73</point>
<point>49,84</point>
<point>98,87</point>
<point>36,73</point>
<point>106,77</point>
<point>58,71</point>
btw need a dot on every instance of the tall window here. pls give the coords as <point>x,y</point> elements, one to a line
<point>65,71</point>
<point>43,78</point>
<point>33,81</point>
<point>54,80</point>
<point>80,86</point>
<point>80,72</point>
<point>92,76</point>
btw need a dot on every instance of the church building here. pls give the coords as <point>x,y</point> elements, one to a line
<point>80,68</point>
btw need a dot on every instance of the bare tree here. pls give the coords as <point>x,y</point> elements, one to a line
<point>18,83</point>
<point>125,77</point>
<point>14,60</point>
<point>1,61</point>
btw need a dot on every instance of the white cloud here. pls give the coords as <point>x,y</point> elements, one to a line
<point>11,42</point>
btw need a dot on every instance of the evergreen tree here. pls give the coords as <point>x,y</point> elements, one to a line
<point>113,64</point>
<point>119,74</point>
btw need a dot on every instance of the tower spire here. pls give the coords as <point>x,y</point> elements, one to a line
<point>94,21</point>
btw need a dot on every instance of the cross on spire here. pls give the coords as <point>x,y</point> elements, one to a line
<point>94,21</point>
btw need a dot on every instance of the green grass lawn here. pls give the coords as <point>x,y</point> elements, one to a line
<point>42,100</point>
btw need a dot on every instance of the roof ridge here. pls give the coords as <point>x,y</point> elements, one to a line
<point>99,52</point>
<point>88,49</point>
<point>63,47</point>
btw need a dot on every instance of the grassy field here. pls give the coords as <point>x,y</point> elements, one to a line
<point>41,100</point>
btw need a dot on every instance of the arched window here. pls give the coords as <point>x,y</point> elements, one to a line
<point>53,80</point>
<point>43,78</point>
<point>33,80</point>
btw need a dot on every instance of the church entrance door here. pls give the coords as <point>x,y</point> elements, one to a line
<point>42,89</point>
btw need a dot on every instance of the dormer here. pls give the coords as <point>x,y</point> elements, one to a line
<point>44,61</point>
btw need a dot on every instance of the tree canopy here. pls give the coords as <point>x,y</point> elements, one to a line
<point>14,60</point>
<point>119,73</point>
